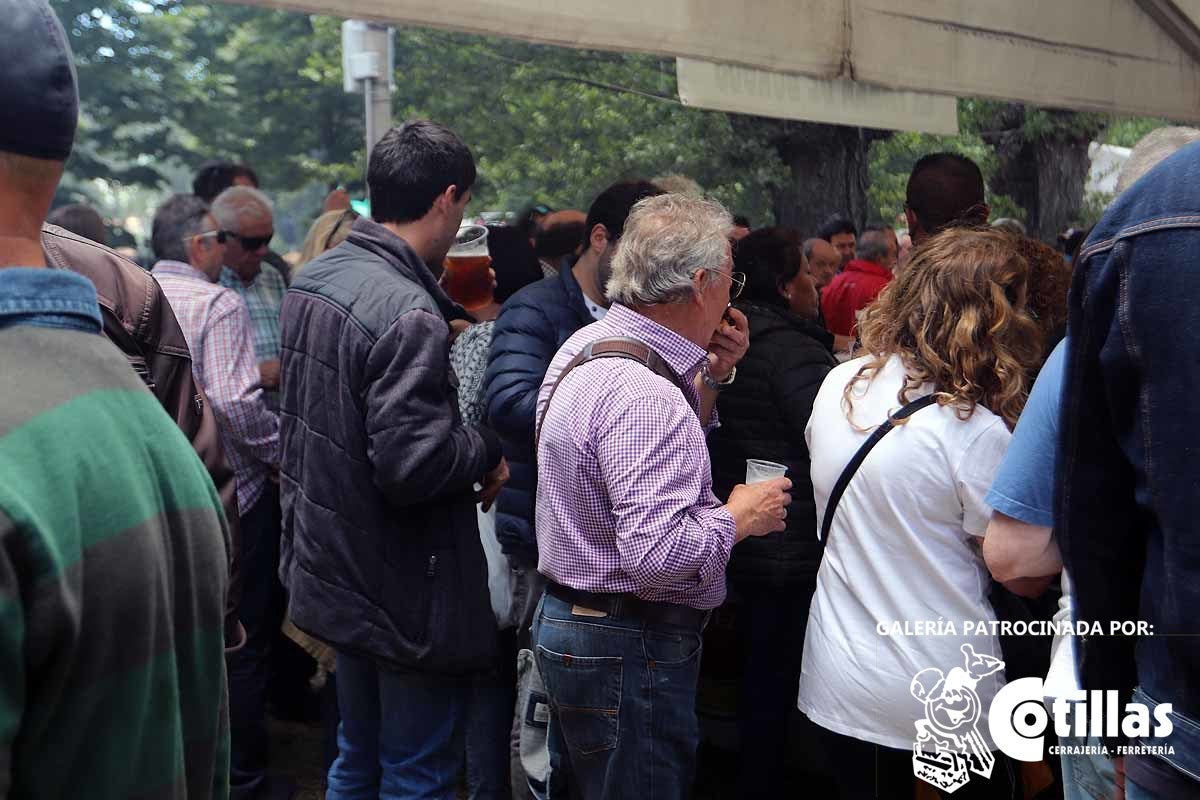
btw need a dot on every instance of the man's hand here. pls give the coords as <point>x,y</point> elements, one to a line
<point>269,374</point>
<point>760,508</point>
<point>492,483</point>
<point>728,344</point>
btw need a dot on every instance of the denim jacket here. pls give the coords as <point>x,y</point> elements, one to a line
<point>1128,509</point>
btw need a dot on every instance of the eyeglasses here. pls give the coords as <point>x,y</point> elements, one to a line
<point>220,236</point>
<point>251,243</point>
<point>737,282</point>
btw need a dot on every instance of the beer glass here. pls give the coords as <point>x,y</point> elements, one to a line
<point>468,279</point>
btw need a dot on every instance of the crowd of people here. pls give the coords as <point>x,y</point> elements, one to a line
<point>493,539</point>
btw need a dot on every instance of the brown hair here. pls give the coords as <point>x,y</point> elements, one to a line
<point>956,316</point>
<point>1049,283</point>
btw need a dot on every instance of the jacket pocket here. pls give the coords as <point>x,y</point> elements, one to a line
<point>410,579</point>
<point>586,695</point>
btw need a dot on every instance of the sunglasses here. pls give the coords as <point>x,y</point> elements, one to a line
<point>219,235</point>
<point>250,243</point>
<point>737,282</point>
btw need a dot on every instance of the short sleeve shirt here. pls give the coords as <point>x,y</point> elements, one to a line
<point>903,553</point>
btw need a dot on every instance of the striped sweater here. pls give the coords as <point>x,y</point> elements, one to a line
<point>113,568</point>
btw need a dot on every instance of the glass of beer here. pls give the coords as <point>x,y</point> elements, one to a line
<point>468,279</point>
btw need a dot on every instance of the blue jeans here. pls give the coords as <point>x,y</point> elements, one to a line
<point>1086,777</point>
<point>489,720</point>
<point>622,704</point>
<point>400,734</point>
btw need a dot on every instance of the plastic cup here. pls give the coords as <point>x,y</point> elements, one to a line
<point>758,470</point>
<point>468,281</point>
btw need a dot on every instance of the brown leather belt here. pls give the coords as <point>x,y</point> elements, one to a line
<point>631,606</point>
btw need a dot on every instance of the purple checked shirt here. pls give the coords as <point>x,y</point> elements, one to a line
<point>625,501</point>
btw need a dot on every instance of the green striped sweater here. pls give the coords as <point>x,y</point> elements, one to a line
<point>113,571</point>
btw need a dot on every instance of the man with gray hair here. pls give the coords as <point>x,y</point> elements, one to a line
<point>631,538</point>
<point>824,259</point>
<point>190,250</point>
<point>247,220</point>
<point>857,286</point>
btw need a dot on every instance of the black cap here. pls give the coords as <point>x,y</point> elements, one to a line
<point>39,101</point>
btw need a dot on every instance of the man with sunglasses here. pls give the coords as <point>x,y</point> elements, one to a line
<point>246,217</point>
<point>190,249</point>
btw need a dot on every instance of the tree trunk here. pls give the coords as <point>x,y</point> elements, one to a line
<point>827,168</point>
<point>1062,170</point>
<point>1044,173</point>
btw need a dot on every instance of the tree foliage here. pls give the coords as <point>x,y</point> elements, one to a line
<point>167,84</point>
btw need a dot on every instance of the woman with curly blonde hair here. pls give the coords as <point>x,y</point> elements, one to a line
<point>902,590</point>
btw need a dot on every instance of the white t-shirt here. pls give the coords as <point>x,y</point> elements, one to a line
<point>904,548</point>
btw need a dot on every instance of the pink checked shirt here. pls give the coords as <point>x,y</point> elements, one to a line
<point>216,326</point>
<point>624,500</point>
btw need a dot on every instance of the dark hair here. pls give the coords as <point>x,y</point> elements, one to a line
<point>613,205</point>
<point>81,219</point>
<point>513,260</point>
<point>411,167</point>
<point>945,190</point>
<point>212,178</point>
<point>179,218</point>
<point>741,221</point>
<point>770,258</point>
<point>244,171</point>
<point>526,222</point>
<point>835,225</point>
<point>559,240</point>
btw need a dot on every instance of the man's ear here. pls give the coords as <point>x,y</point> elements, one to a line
<point>447,199</point>
<point>910,217</point>
<point>598,239</point>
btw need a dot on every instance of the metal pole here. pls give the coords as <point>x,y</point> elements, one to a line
<point>369,105</point>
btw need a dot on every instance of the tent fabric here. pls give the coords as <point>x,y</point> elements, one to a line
<point>1090,55</point>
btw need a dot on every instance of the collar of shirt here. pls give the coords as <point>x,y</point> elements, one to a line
<point>180,270</point>
<point>48,298</point>
<point>683,356</point>
<point>868,267</point>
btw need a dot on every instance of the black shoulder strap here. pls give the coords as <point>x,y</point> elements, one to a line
<point>843,480</point>
<point>613,347</point>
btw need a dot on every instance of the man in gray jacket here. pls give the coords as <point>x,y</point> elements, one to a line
<point>381,550</point>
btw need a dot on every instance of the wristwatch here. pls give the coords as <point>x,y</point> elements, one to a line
<point>714,384</point>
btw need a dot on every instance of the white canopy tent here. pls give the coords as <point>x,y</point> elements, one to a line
<point>1139,57</point>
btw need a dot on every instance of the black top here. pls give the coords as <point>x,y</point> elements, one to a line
<point>763,415</point>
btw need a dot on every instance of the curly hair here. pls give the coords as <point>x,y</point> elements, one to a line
<point>1049,282</point>
<point>956,315</point>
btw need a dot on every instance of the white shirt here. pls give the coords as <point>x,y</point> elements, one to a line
<point>904,547</point>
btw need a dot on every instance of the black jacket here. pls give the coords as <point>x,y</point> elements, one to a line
<point>763,415</point>
<point>533,325</point>
<point>380,548</point>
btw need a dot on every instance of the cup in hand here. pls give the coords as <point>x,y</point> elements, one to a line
<point>758,470</point>
<point>468,281</point>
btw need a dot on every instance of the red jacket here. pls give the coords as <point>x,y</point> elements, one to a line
<point>850,291</point>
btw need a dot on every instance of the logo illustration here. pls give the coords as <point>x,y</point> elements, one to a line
<point>950,726</point>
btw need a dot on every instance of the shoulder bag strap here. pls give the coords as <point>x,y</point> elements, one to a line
<point>843,480</point>
<point>613,347</point>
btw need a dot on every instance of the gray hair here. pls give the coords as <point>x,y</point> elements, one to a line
<point>1151,149</point>
<point>666,239</point>
<point>872,245</point>
<point>180,218</point>
<point>238,206</point>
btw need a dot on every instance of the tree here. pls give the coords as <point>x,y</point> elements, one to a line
<point>1042,160</point>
